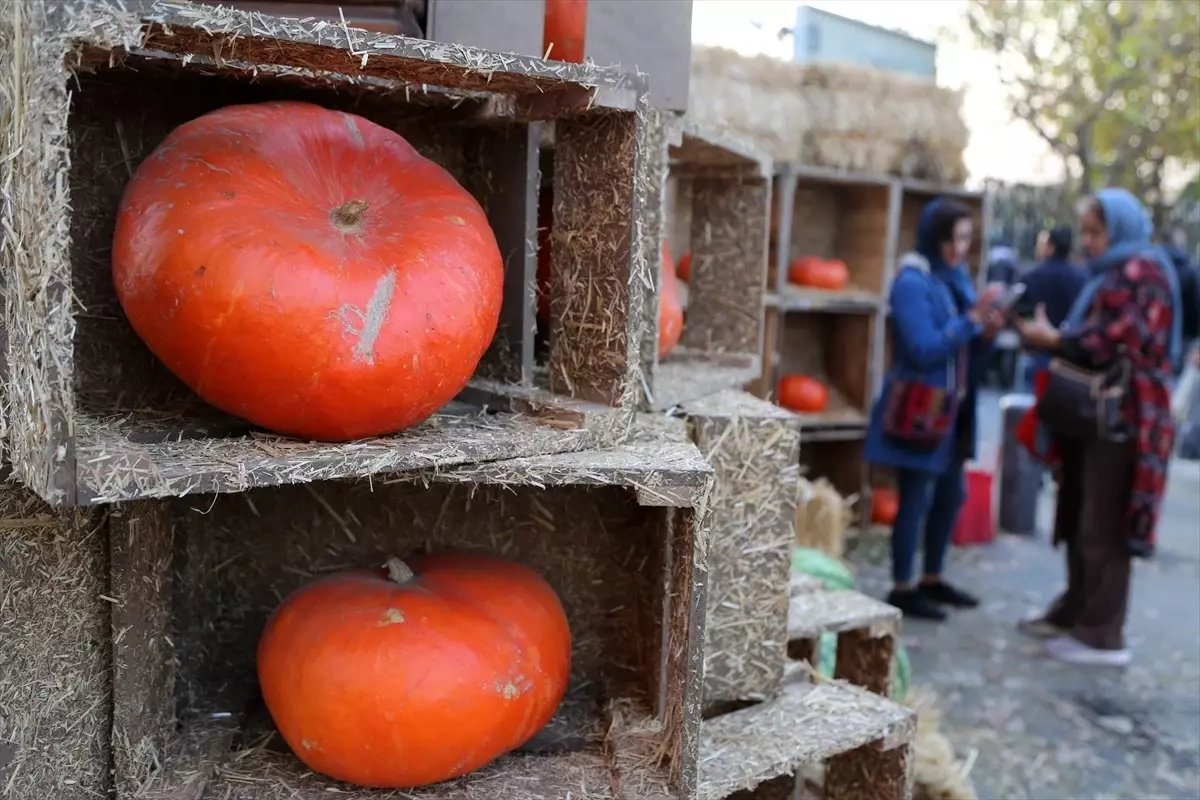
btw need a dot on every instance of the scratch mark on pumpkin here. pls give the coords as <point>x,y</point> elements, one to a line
<point>372,319</point>
<point>393,616</point>
<point>308,745</point>
<point>352,124</point>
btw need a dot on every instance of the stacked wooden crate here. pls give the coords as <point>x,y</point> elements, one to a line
<point>151,536</point>
<point>842,337</point>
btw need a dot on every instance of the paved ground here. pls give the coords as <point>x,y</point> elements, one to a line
<point>1031,728</point>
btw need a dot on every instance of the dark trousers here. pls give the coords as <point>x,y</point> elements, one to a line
<point>1093,495</point>
<point>929,504</point>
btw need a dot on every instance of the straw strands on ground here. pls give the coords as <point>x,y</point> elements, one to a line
<point>832,115</point>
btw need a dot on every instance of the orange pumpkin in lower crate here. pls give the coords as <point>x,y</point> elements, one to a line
<point>414,675</point>
<point>803,394</point>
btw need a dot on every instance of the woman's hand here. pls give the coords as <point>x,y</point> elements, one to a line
<point>1038,332</point>
<point>985,302</point>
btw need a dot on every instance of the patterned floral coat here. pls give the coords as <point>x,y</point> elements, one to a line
<point>1131,316</point>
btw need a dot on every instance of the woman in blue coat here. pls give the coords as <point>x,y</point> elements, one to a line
<point>923,423</point>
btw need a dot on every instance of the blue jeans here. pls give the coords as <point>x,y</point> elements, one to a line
<point>929,502</point>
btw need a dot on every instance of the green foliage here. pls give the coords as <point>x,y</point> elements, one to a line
<point>1113,87</point>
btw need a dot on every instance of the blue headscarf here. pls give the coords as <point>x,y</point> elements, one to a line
<point>1129,235</point>
<point>953,275</point>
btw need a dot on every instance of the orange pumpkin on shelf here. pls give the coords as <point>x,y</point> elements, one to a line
<point>307,270</point>
<point>884,506</point>
<point>670,310</point>
<point>819,273</point>
<point>684,271</point>
<point>413,675</point>
<point>803,394</point>
<point>565,32</point>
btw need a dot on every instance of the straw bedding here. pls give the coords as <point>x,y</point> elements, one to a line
<point>90,88</point>
<point>55,643</point>
<point>822,517</point>
<point>838,116</point>
<point>752,446</point>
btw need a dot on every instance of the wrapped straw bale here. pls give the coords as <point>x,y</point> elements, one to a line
<point>832,115</point>
<point>822,516</point>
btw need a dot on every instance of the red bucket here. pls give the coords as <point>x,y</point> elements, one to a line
<point>975,523</point>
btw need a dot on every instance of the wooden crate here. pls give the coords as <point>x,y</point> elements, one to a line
<point>715,206</point>
<point>830,214</point>
<point>94,417</point>
<point>915,195</point>
<point>836,348</point>
<point>131,668</point>
<point>840,461</point>
<point>761,752</point>
<point>752,447</point>
<point>55,651</point>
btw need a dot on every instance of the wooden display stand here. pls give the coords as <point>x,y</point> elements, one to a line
<point>715,207</point>
<point>95,418</point>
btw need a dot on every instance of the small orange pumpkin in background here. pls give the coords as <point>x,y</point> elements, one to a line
<point>565,32</point>
<point>803,394</point>
<point>819,273</point>
<point>670,310</point>
<point>684,271</point>
<point>884,505</point>
<point>410,676</point>
<point>307,270</point>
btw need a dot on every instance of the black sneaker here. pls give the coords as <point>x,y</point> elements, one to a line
<point>916,605</point>
<point>947,595</point>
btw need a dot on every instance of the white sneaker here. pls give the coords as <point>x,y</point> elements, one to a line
<point>1072,651</point>
<point>1038,628</point>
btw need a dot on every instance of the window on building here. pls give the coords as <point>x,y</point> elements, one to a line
<point>814,38</point>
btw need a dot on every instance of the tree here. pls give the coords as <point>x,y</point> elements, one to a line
<point>1113,87</point>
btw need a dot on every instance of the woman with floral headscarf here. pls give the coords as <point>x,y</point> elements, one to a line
<point>1109,492</point>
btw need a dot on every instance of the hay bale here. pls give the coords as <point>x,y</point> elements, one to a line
<point>939,773</point>
<point>55,652</point>
<point>832,115</point>
<point>822,516</point>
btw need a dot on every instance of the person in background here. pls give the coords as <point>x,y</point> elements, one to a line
<point>1110,492</point>
<point>1003,265</point>
<point>940,335</point>
<point>1175,246</point>
<point>1054,283</point>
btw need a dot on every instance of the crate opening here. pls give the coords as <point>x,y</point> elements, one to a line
<point>607,567</point>
<point>833,220</point>
<point>833,348</point>
<point>838,461</point>
<point>134,418</point>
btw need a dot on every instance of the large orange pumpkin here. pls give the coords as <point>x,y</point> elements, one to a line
<point>403,678</point>
<point>565,29</point>
<point>307,270</point>
<point>819,273</point>
<point>670,311</point>
<point>803,394</point>
<point>884,506</point>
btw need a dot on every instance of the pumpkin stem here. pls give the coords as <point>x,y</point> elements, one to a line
<point>398,571</point>
<point>348,216</point>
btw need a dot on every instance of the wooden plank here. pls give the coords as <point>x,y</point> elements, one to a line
<point>503,26</point>
<point>653,38</point>
<point>807,724</point>
<point>810,615</point>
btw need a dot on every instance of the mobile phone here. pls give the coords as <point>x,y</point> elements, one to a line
<point>1010,298</point>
